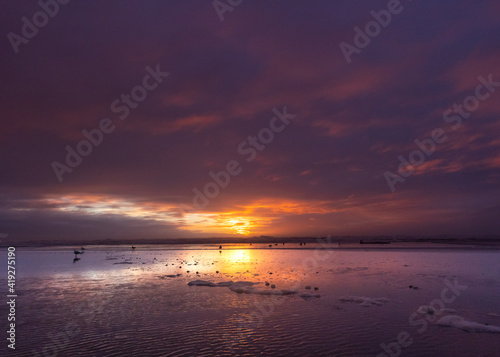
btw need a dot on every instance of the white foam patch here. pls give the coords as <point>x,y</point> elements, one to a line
<point>209,283</point>
<point>169,276</point>
<point>200,283</point>
<point>364,301</point>
<point>466,325</point>
<point>246,287</point>
<point>242,287</point>
<point>426,310</point>
<point>224,283</point>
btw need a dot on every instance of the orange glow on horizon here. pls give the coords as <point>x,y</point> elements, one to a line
<point>263,216</point>
<point>256,218</point>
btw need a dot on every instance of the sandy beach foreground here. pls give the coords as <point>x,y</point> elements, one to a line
<point>248,301</point>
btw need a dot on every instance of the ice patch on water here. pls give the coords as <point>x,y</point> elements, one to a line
<point>364,301</point>
<point>200,283</point>
<point>224,283</point>
<point>242,287</point>
<point>426,310</point>
<point>169,276</point>
<point>466,325</point>
<point>209,283</point>
<point>246,287</point>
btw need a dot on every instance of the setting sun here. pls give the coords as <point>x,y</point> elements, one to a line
<point>239,225</point>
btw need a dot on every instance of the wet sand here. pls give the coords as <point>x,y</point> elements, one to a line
<point>119,302</point>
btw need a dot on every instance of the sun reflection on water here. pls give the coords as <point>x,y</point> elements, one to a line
<point>238,256</point>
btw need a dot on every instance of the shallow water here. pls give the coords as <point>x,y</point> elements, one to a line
<point>118,302</point>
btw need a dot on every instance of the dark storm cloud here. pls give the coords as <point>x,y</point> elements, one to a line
<point>353,120</point>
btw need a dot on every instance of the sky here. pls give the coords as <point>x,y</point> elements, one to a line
<point>169,119</point>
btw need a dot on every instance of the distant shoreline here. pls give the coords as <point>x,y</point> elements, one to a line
<point>368,242</point>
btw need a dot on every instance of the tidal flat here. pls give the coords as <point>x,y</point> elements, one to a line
<point>242,300</point>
